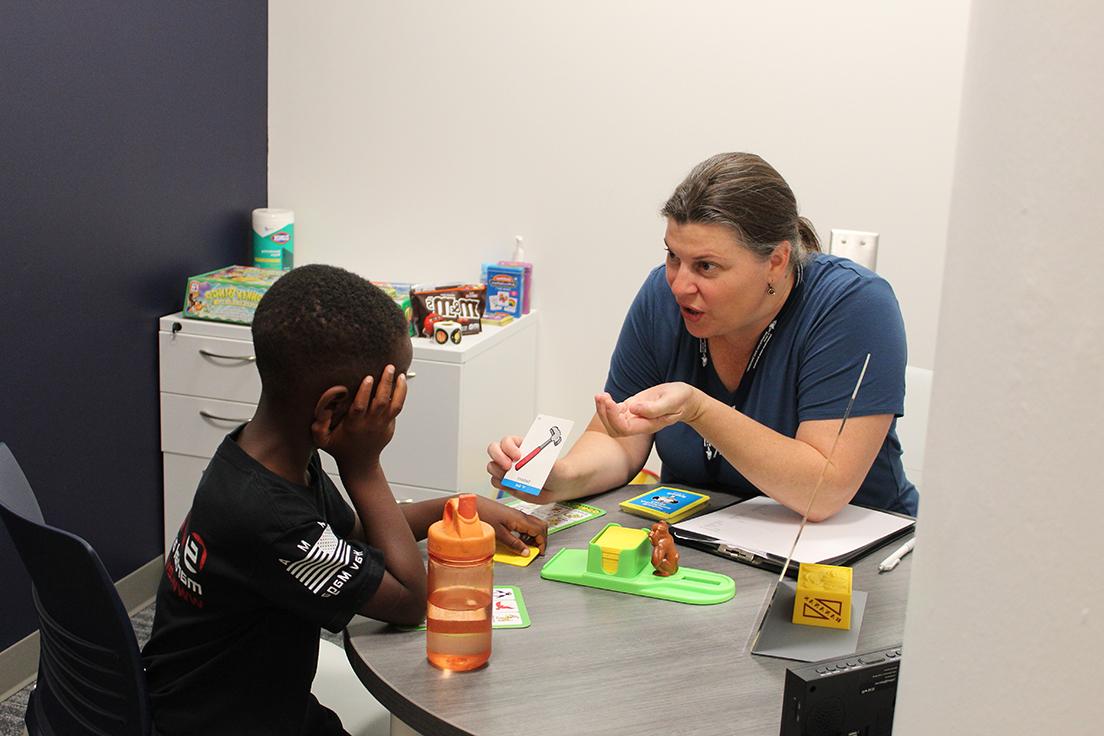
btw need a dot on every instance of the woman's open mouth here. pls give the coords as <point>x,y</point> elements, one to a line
<point>690,314</point>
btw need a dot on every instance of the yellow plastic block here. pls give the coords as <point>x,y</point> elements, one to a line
<point>823,596</point>
<point>614,541</point>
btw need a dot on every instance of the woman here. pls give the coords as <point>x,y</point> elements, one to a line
<point>738,358</point>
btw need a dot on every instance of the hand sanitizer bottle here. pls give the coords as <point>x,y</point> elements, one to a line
<point>519,260</point>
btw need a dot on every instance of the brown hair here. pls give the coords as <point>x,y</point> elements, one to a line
<point>744,193</point>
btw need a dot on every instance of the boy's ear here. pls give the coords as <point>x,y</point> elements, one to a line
<point>328,412</point>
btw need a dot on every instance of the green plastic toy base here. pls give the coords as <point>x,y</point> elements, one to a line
<point>688,585</point>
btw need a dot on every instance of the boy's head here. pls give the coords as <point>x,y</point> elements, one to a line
<point>322,326</point>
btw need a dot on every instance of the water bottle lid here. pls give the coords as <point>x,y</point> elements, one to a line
<point>460,535</point>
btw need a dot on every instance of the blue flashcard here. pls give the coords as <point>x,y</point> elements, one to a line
<point>664,503</point>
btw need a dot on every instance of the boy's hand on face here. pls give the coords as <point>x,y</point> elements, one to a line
<point>505,521</point>
<point>360,436</point>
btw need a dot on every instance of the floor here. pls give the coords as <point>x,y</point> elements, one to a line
<point>13,709</point>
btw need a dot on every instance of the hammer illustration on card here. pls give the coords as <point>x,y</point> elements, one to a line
<point>555,439</point>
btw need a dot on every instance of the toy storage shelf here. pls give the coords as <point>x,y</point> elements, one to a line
<point>463,397</point>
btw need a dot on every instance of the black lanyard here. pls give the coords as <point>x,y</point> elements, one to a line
<point>739,397</point>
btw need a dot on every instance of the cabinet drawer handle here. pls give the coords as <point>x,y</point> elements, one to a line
<point>207,415</point>
<point>243,358</point>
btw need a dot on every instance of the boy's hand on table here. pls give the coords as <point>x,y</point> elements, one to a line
<point>364,431</point>
<point>505,520</point>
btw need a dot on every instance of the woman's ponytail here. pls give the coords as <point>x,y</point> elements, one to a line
<point>807,235</point>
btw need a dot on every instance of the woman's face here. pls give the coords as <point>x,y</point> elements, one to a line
<point>720,286</point>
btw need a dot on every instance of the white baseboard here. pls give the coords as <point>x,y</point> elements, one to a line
<point>19,662</point>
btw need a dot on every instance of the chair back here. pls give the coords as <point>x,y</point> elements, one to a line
<point>912,428</point>
<point>90,676</point>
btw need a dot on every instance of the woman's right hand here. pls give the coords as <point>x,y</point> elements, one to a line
<point>504,454</point>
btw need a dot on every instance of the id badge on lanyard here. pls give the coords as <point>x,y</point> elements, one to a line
<point>713,457</point>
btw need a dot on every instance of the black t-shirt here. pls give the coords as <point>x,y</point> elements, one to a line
<point>258,567</point>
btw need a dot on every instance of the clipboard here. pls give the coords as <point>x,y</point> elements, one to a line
<point>759,531</point>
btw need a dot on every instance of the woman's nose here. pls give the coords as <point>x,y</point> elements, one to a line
<point>681,281</point>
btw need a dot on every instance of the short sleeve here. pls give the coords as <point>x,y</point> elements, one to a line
<point>341,516</point>
<point>866,319</point>
<point>308,568</point>
<point>636,360</point>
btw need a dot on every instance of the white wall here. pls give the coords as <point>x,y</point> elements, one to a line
<point>415,139</point>
<point>1006,607</point>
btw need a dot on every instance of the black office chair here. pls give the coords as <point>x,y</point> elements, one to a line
<point>90,676</point>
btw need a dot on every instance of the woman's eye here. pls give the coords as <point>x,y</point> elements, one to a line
<point>671,256</point>
<point>706,266</point>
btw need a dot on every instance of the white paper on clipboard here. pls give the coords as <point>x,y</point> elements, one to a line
<point>764,526</point>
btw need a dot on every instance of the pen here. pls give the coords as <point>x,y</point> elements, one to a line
<point>891,562</point>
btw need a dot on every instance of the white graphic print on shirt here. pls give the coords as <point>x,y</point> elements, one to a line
<point>326,565</point>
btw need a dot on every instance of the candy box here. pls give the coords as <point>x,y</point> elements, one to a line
<point>228,294</point>
<point>464,303</point>
<point>400,293</point>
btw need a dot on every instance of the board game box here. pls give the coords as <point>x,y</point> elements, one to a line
<point>228,294</point>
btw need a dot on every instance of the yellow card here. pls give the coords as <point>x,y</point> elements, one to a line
<point>509,557</point>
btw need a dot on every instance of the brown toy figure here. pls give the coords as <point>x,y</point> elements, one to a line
<point>665,554</point>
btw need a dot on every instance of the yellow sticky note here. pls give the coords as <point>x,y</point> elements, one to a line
<point>509,557</point>
<point>823,596</point>
<point>617,539</point>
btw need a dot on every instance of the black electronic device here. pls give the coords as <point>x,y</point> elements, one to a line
<point>845,696</point>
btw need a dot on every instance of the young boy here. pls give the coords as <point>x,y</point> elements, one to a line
<point>270,552</point>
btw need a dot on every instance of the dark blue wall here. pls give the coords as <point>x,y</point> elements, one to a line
<point>133,144</point>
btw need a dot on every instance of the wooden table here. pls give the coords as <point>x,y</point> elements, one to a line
<point>598,662</point>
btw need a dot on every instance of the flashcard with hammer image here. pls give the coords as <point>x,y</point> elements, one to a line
<point>539,450</point>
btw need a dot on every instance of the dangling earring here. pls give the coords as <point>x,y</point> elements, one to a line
<point>770,288</point>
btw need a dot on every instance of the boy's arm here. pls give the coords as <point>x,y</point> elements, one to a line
<point>356,438</point>
<point>401,596</point>
<point>512,527</point>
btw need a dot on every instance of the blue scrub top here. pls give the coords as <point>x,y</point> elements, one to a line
<point>809,369</point>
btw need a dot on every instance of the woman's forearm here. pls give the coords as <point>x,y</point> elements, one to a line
<point>788,469</point>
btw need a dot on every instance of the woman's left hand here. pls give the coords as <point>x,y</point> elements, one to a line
<point>650,410</point>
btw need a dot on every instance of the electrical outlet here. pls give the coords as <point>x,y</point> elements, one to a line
<point>861,247</point>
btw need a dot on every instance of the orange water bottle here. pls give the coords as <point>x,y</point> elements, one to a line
<point>461,574</point>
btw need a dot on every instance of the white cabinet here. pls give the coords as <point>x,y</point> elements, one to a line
<point>461,398</point>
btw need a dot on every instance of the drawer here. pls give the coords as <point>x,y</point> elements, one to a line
<point>208,366</point>
<point>401,492</point>
<point>182,474</point>
<point>417,493</point>
<point>424,449</point>
<point>195,426</point>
